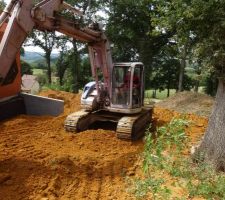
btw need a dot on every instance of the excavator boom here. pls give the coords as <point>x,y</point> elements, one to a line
<point>25,17</point>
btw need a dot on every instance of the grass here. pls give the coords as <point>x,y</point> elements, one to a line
<point>162,94</point>
<point>38,71</point>
<point>159,94</point>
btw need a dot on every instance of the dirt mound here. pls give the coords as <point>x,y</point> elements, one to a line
<point>71,101</point>
<point>39,160</point>
<point>189,102</point>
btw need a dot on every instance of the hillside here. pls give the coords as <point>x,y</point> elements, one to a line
<point>32,57</point>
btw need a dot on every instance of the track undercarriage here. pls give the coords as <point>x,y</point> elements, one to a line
<point>128,127</point>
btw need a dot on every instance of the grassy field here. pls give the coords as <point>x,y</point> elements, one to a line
<point>163,94</point>
<point>159,94</point>
<point>38,71</point>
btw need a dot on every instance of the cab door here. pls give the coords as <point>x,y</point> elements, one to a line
<point>121,86</point>
<point>137,85</point>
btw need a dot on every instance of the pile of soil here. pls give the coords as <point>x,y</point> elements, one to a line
<point>40,160</point>
<point>71,101</point>
<point>189,102</point>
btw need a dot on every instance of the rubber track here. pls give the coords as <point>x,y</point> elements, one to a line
<point>126,127</point>
<point>73,119</point>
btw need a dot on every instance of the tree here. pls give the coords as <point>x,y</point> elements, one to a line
<point>2,6</point>
<point>208,18</point>
<point>73,58</point>
<point>211,83</point>
<point>175,16</point>
<point>61,66</point>
<point>46,41</point>
<point>203,22</point>
<point>131,29</point>
<point>62,62</point>
<point>75,66</point>
<point>165,68</point>
<point>26,68</point>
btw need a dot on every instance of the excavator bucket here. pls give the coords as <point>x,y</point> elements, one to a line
<point>13,102</point>
<point>30,105</point>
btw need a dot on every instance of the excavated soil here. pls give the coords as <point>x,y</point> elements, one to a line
<point>39,160</point>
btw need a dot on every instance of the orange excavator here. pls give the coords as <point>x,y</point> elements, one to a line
<point>118,98</point>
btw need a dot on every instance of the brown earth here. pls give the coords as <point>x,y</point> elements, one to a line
<point>39,160</point>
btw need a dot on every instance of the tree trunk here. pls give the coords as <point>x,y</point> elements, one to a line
<point>75,68</point>
<point>49,71</point>
<point>61,67</point>
<point>182,69</point>
<point>212,148</point>
<point>181,76</point>
<point>61,75</point>
<point>154,93</point>
<point>196,86</point>
<point>198,78</point>
<point>168,87</point>
<point>168,92</point>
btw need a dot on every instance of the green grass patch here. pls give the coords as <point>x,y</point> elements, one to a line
<point>160,94</point>
<point>38,71</point>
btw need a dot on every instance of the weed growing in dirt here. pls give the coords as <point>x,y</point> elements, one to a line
<point>170,140</point>
<point>166,166</point>
<point>156,156</point>
<point>206,182</point>
<point>141,187</point>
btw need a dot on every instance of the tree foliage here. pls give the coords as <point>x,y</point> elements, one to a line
<point>2,5</point>
<point>131,29</point>
<point>26,68</point>
<point>198,22</point>
<point>206,26</point>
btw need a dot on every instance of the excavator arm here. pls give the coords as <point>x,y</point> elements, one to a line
<point>23,17</point>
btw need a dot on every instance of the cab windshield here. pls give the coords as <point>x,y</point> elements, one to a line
<point>121,85</point>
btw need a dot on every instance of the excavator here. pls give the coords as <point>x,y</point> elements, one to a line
<point>115,96</point>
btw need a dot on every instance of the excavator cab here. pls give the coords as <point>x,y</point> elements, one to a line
<point>127,87</point>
